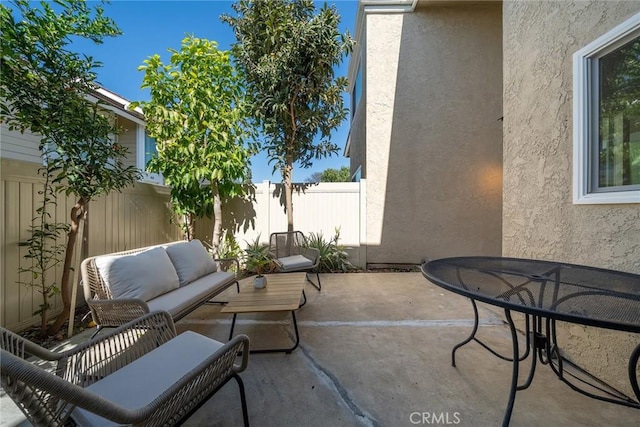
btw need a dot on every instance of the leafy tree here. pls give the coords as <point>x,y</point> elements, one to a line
<point>287,54</point>
<point>43,249</point>
<point>197,115</point>
<point>45,88</point>
<point>314,177</point>
<point>336,175</point>
<point>331,175</point>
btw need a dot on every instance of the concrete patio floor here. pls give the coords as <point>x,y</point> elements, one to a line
<point>375,351</point>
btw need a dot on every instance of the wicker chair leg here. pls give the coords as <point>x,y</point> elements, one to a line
<point>243,399</point>
<point>319,285</point>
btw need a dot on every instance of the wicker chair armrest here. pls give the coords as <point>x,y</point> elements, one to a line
<point>23,348</point>
<point>224,263</point>
<point>116,312</point>
<point>68,395</point>
<point>313,254</point>
<point>105,354</point>
<point>242,342</point>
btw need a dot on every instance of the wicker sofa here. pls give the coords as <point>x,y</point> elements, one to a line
<point>176,277</point>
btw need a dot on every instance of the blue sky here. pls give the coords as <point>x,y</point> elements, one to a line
<point>151,27</point>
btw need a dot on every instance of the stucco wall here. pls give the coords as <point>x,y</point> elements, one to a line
<point>540,220</point>
<point>434,138</point>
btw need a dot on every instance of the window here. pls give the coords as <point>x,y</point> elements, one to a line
<point>356,92</point>
<point>146,148</point>
<point>607,117</point>
<point>149,148</point>
<point>357,176</point>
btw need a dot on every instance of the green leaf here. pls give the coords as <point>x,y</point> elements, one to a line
<point>195,98</point>
<point>287,53</point>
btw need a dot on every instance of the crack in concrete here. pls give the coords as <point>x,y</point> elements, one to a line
<point>326,376</point>
<point>363,417</point>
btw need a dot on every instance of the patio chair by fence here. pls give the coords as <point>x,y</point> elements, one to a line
<point>139,374</point>
<point>293,253</point>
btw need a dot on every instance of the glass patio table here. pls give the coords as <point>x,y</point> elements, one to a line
<point>547,292</point>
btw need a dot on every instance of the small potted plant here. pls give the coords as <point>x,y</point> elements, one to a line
<point>258,260</point>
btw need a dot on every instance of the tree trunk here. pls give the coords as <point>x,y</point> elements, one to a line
<point>44,315</point>
<point>217,220</point>
<point>77,213</point>
<point>288,193</point>
<point>190,226</point>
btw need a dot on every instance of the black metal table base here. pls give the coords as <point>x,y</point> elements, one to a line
<point>272,350</point>
<point>541,343</point>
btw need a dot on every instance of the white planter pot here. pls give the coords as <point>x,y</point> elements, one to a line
<point>259,282</point>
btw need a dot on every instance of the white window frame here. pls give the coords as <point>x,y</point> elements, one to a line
<point>147,177</point>
<point>357,175</point>
<point>584,110</point>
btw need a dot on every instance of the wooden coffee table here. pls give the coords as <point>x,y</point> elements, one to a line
<point>282,293</point>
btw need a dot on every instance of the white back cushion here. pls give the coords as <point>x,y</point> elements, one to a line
<point>144,275</point>
<point>191,260</point>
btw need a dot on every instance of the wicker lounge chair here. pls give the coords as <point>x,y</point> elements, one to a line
<point>294,254</point>
<point>138,374</point>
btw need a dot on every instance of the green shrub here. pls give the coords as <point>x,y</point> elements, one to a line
<point>257,258</point>
<point>229,247</point>
<point>333,257</point>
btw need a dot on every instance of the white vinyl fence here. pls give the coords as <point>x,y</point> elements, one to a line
<point>140,216</point>
<point>317,208</point>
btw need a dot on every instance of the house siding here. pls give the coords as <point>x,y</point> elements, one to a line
<point>127,138</point>
<point>19,146</point>
<point>24,146</point>
<point>540,219</point>
<point>433,134</point>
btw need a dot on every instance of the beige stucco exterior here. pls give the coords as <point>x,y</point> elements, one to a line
<point>427,133</point>
<point>540,219</point>
<point>444,178</point>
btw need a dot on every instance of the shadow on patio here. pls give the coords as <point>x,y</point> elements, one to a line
<point>375,351</point>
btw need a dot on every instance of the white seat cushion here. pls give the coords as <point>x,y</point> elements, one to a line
<point>294,261</point>
<point>191,260</point>
<point>143,380</point>
<point>143,275</point>
<point>186,296</point>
